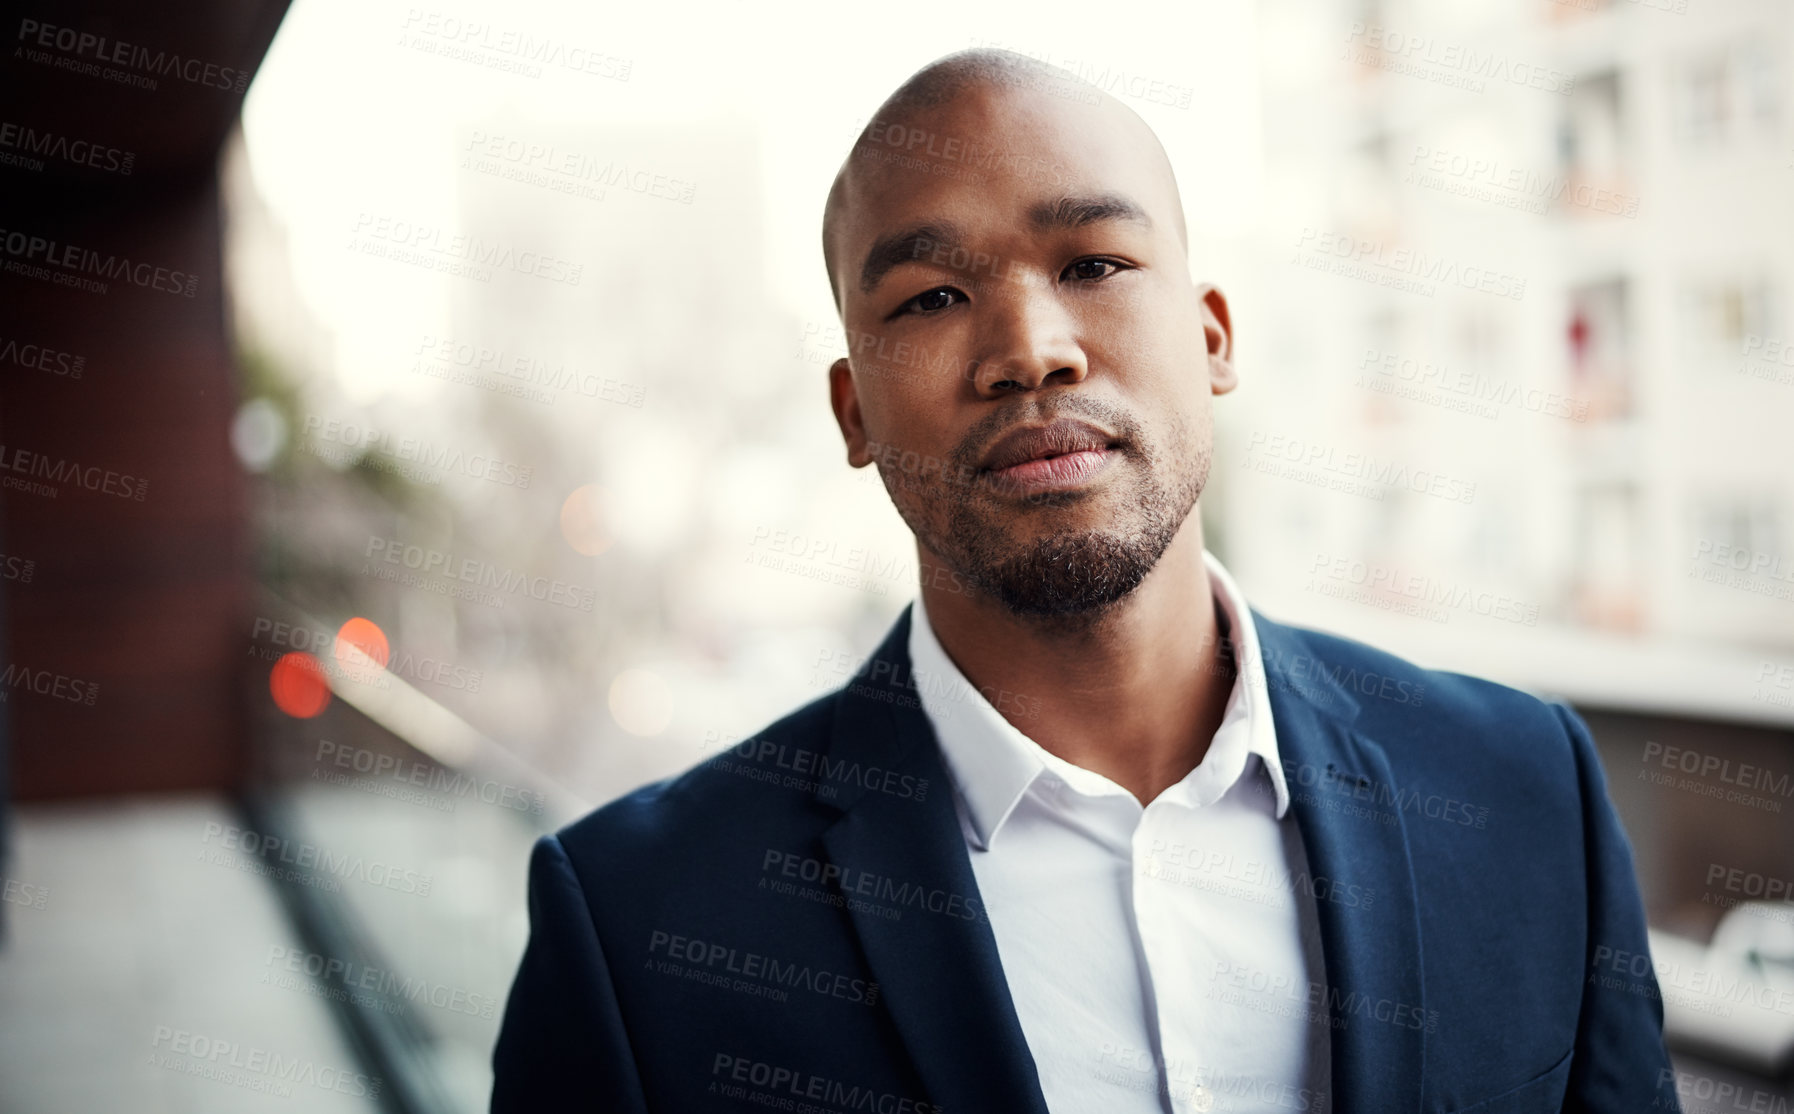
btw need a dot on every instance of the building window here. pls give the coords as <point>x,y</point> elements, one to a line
<point>1720,318</point>
<point>1747,525</point>
<point>1599,342</point>
<point>1591,142</point>
<point>1730,95</point>
<point>1607,587</point>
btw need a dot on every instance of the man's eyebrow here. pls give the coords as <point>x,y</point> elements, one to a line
<point>889,252</point>
<point>898,248</point>
<point>1076,212</point>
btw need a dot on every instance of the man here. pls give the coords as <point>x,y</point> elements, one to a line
<point>1085,833</point>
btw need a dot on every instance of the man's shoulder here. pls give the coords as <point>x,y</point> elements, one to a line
<point>751,788</point>
<point>1424,718</point>
<point>1388,687</point>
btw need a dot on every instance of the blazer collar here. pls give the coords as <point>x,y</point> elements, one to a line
<point>937,961</point>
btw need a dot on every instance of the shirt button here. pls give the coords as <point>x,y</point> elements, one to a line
<point>1202,1100</point>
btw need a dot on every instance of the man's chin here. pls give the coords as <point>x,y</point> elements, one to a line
<point>1068,575</point>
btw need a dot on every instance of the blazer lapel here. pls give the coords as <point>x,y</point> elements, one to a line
<point>1336,777</point>
<point>936,963</point>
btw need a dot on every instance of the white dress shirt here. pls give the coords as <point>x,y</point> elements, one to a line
<point>1162,960</point>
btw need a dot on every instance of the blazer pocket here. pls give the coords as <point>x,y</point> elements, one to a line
<point>1542,1094</point>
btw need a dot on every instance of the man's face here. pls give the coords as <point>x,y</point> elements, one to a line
<point>1014,288</point>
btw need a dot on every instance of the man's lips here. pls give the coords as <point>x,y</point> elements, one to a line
<point>1062,438</point>
<point>1063,471</point>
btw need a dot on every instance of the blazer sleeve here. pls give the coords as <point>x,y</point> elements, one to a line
<point>562,1044</point>
<point>1619,1064</point>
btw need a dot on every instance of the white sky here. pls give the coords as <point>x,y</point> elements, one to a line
<point>345,117</point>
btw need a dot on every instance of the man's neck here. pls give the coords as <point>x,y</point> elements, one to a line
<point>1135,695</point>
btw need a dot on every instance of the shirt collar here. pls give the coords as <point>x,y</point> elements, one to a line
<point>993,764</point>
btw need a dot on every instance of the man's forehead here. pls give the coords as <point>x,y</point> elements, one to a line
<point>999,134</point>
<point>903,166</point>
<point>992,153</point>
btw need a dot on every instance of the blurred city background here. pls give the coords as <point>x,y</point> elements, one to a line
<point>475,465</point>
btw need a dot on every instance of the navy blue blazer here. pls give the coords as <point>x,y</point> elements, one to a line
<point>794,923</point>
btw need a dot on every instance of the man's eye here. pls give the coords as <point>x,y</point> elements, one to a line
<point>931,301</point>
<point>1090,270</point>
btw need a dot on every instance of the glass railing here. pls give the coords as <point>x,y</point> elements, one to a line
<point>398,836</point>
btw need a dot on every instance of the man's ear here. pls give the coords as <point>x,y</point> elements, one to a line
<point>845,400</point>
<point>1217,331</point>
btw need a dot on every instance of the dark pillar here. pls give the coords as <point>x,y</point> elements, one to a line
<point>116,395</point>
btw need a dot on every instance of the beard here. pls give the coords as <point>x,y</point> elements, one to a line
<point>1072,576</point>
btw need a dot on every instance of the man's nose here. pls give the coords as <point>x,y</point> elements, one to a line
<point>1027,337</point>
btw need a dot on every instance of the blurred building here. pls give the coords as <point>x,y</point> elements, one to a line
<point>651,399</point>
<point>1523,397</point>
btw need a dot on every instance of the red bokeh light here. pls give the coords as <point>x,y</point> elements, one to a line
<point>366,636</point>
<point>298,686</point>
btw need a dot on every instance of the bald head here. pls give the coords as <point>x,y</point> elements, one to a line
<point>942,123</point>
